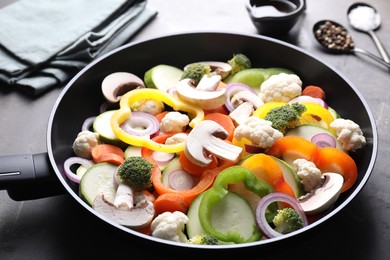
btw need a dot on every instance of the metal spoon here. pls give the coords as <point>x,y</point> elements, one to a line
<point>335,38</point>
<point>365,18</point>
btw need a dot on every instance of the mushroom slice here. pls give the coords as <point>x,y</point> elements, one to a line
<point>203,98</point>
<point>118,83</point>
<point>218,67</point>
<point>242,112</point>
<point>246,96</point>
<point>207,136</point>
<point>325,196</point>
<point>135,218</point>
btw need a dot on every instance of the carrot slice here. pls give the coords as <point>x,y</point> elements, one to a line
<point>222,109</point>
<point>291,147</point>
<point>194,169</point>
<point>170,202</point>
<point>331,159</point>
<point>161,115</point>
<point>314,91</point>
<point>108,153</point>
<point>224,120</point>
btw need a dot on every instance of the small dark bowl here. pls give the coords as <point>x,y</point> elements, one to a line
<point>278,23</point>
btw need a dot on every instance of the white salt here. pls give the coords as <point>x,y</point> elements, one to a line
<point>364,18</point>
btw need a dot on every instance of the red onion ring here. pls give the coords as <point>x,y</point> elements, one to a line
<point>162,157</point>
<point>233,88</point>
<point>146,121</point>
<point>324,140</point>
<point>261,208</point>
<point>87,124</point>
<point>72,161</point>
<point>308,99</point>
<point>180,180</point>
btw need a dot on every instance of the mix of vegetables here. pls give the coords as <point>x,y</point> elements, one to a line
<point>214,153</point>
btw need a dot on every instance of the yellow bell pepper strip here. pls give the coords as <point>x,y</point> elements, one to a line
<point>212,197</point>
<point>124,112</point>
<point>263,110</point>
<point>319,111</point>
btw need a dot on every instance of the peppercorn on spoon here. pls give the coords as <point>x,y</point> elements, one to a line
<point>365,18</point>
<point>335,38</point>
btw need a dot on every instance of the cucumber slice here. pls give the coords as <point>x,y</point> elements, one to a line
<point>132,150</point>
<point>307,131</point>
<point>291,177</point>
<point>254,77</point>
<point>193,227</point>
<point>102,126</point>
<point>162,77</point>
<point>98,178</point>
<point>233,214</point>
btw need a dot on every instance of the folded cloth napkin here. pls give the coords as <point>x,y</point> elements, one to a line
<point>43,43</point>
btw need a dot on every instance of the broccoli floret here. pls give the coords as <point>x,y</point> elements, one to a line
<point>239,62</point>
<point>204,239</point>
<point>287,220</point>
<point>136,171</point>
<point>285,117</point>
<point>196,71</point>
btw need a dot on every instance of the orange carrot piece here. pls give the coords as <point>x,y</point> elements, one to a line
<point>293,147</point>
<point>314,91</point>
<point>194,169</point>
<point>170,202</point>
<point>225,121</point>
<point>108,153</point>
<point>331,159</point>
<point>222,109</point>
<point>161,115</point>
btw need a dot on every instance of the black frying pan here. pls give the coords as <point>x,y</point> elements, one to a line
<point>33,176</point>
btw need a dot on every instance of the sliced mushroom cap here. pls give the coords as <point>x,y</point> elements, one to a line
<point>134,218</point>
<point>323,197</point>
<point>207,136</point>
<point>221,68</point>
<point>246,96</point>
<point>203,98</point>
<point>118,83</point>
<point>242,112</point>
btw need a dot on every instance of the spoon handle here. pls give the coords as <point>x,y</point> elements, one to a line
<point>372,56</point>
<point>380,46</point>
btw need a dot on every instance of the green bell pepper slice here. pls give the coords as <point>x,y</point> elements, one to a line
<point>214,195</point>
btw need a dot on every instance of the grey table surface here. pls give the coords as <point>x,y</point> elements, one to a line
<point>58,228</point>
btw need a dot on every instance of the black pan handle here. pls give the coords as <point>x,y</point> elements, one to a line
<point>29,176</point>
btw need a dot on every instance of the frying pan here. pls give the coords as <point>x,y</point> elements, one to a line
<point>81,98</point>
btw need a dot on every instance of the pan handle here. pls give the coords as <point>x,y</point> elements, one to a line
<point>28,177</point>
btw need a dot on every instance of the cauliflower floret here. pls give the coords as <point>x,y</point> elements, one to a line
<point>84,142</point>
<point>174,122</point>
<point>310,175</point>
<point>176,138</point>
<point>148,106</point>
<point>259,131</point>
<point>281,88</point>
<point>170,226</point>
<point>348,133</point>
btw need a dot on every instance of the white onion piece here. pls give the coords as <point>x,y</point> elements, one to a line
<point>261,209</point>
<point>323,140</point>
<point>180,180</point>
<point>87,124</point>
<point>162,157</point>
<point>141,124</point>
<point>72,161</point>
<point>308,99</point>
<point>233,88</point>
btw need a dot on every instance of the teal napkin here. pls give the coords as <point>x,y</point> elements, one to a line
<point>43,43</point>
